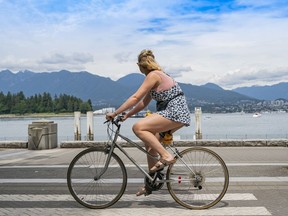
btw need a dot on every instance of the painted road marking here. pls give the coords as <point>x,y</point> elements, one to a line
<point>140,180</point>
<point>125,197</point>
<point>132,165</point>
<point>243,211</point>
<point>78,210</point>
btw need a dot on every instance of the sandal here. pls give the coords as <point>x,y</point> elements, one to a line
<point>161,164</point>
<point>143,191</point>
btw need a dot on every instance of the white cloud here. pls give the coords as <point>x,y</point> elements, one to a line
<point>201,42</point>
<point>124,57</point>
<point>55,61</point>
<point>74,58</point>
<point>177,72</point>
<point>253,77</point>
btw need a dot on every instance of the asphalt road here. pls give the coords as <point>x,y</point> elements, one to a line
<point>34,183</point>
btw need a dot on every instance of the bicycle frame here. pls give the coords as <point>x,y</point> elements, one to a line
<point>114,145</point>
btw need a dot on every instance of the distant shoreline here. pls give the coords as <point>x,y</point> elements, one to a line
<point>48,115</point>
<point>36,115</point>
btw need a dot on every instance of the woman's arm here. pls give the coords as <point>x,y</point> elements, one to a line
<point>152,80</point>
<point>140,106</point>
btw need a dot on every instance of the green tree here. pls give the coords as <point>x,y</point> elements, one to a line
<point>19,104</point>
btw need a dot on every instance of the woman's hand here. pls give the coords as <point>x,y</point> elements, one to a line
<point>110,116</point>
<point>124,117</point>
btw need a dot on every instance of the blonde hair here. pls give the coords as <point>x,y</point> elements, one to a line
<point>146,60</point>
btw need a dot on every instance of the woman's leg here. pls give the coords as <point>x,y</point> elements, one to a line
<point>151,161</point>
<point>146,128</point>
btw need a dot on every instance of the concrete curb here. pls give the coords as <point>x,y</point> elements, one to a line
<point>189,143</point>
<point>186,143</point>
<point>13,144</point>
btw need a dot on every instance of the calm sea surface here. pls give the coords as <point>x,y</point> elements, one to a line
<point>214,126</point>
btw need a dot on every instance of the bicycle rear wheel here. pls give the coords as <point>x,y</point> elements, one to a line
<point>203,184</point>
<point>87,187</point>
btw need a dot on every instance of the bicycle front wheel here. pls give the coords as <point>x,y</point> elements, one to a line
<point>90,184</point>
<point>199,179</point>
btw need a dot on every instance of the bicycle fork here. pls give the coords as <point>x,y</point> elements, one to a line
<point>109,151</point>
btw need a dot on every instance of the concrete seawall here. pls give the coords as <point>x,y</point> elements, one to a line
<point>214,143</point>
<point>186,143</point>
<point>13,144</point>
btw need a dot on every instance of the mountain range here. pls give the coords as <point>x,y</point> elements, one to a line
<point>103,91</point>
<point>272,92</point>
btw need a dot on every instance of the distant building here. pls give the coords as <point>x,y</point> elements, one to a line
<point>103,111</point>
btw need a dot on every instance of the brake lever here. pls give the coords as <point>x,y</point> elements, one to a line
<point>118,119</point>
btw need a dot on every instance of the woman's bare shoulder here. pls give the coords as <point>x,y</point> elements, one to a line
<point>152,78</point>
<point>154,74</point>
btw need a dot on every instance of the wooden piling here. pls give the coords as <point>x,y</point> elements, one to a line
<point>198,116</point>
<point>90,129</point>
<point>77,125</point>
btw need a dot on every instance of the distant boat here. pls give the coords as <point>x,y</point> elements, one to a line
<point>141,114</point>
<point>256,115</point>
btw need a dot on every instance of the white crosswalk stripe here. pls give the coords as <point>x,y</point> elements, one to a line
<point>140,180</point>
<point>139,211</point>
<point>243,211</point>
<point>125,197</point>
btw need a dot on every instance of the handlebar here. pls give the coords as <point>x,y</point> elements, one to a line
<point>115,121</point>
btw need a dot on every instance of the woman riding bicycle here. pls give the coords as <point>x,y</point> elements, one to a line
<point>172,110</point>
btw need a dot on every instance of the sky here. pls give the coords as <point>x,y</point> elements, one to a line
<point>231,43</point>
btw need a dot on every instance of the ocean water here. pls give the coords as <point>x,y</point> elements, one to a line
<point>214,126</point>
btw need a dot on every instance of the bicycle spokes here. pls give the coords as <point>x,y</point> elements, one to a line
<point>92,183</point>
<point>205,185</point>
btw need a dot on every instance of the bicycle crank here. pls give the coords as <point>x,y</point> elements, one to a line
<point>157,182</point>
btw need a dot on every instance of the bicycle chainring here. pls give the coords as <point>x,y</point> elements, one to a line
<point>154,185</point>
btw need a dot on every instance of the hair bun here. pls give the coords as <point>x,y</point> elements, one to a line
<point>149,53</point>
<point>145,53</point>
<point>146,60</point>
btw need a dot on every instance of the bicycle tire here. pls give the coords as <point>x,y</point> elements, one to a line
<point>206,186</point>
<point>96,193</point>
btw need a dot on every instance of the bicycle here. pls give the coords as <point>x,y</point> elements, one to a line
<point>97,177</point>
